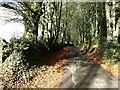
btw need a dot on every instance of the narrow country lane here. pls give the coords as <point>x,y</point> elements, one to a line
<point>82,72</point>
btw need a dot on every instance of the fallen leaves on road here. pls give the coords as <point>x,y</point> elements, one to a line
<point>48,76</point>
<point>103,64</point>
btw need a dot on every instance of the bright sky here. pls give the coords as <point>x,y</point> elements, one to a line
<point>8,30</point>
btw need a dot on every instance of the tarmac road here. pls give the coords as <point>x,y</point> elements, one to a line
<point>82,72</point>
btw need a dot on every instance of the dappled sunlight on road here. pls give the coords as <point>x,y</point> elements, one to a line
<point>85,73</point>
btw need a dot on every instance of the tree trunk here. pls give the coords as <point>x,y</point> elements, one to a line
<point>102,30</point>
<point>58,23</point>
<point>103,26</point>
<point>31,29</point>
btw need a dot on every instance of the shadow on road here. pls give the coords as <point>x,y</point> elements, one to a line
<point>86,73</point>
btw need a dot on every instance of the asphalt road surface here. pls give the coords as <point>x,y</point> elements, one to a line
<point>82,72</point>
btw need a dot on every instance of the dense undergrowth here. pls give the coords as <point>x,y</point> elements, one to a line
<point>16,68</point>
<point>20,59</point>
<point>112,52</point>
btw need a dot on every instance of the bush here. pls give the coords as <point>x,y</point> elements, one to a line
<point>112,52</point>
<point>15,70</point>
<point>14,44</point>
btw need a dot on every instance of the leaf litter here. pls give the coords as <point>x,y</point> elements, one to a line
<point>49,75</point>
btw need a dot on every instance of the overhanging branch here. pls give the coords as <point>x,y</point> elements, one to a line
<point>13,8</point>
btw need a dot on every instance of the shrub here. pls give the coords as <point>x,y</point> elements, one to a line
<point>112,52</point>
